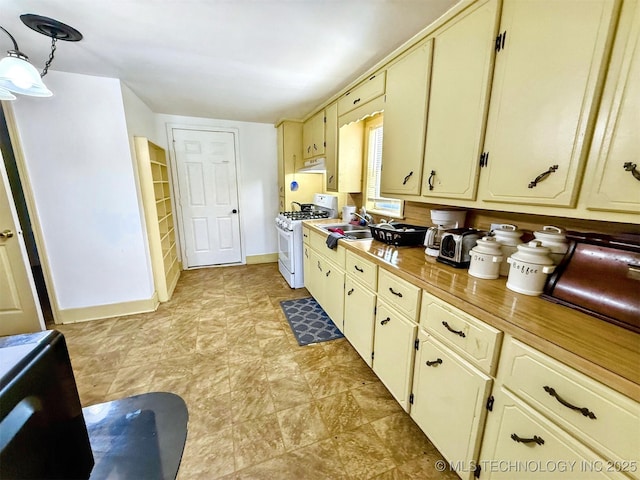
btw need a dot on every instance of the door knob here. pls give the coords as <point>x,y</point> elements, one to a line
<point>6,234</point>
<point>234,211</point>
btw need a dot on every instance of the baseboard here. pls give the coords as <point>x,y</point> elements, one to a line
<point>265,258</point>
<point>98,312</point>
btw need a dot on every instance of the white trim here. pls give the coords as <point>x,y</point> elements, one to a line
<point>178,220</point>
<point>98,312</point>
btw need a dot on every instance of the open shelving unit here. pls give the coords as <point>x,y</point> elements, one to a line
<point>156,197</point>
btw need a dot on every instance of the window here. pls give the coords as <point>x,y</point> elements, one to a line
<point>374,202</point>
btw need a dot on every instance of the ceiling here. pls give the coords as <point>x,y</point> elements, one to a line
<point>247,60</point>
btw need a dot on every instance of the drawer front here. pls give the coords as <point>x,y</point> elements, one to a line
<point>610,422</point>
<point>370,89</point>
<point>521,444</point>
<point>363,270</point>
<point>399,293</point>
<point>468,336</point>
<point>319,244</point>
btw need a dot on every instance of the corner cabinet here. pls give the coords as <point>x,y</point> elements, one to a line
<point>405,119</point>
<point>616,182</point>
<point>460,82</point>
<point>313,136</point>
<point>289,154</point>
<point>548,69</point>
<point>153,174</point>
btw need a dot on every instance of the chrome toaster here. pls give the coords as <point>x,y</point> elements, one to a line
<point>456,244</point>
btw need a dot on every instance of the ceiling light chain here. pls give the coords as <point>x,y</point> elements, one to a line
<point>51,55</point>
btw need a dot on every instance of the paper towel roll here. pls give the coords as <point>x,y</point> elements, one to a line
<point>347,212</point>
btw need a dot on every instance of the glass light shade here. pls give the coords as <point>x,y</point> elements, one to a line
<point>19,76</point>
<point>6,95</point>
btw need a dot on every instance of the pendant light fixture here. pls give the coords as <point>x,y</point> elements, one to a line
<point>17,75</point>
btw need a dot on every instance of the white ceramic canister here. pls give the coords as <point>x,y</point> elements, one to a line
<point>555,239</point>
<point>529,268</point>
<point>509,238</point>
<point>486,258</point>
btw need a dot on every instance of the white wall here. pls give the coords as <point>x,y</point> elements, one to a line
<point>81,171</point>
<point>257,177</point>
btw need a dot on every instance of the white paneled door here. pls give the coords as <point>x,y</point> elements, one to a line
<point>207,196</point>
<point>19,307</point>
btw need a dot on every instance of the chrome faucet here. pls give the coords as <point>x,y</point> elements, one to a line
<point>367,218</point>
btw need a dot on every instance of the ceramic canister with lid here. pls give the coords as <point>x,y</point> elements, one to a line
<point>509,238</point>
<point>486,258</point>
<point>529,268</point>
<point>555,239</point>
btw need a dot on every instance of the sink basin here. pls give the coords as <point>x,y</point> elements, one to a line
<point>358,235</point>
<point>346,227</point>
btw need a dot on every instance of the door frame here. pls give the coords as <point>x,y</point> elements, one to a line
<point>27,190</point>
<point>173,165</point>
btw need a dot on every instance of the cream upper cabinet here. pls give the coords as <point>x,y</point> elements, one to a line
<point>460,80</point>
<point>616,183</point>
<point>313,136</point>
<point>343,154</point>
<point>405,118</point>
<point>366,91</point>
<point>289,139</point>
<point>545,91</point>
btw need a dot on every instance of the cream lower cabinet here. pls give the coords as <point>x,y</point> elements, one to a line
<point>449,402</point>
<point>592,414</point>
<point>360,304</point>
<point>324,275</point>
<point>394,351</point>
<point>546,88</point>
<point>520,443</point>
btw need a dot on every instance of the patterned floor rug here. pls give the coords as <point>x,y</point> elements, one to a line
<point>309,322</point>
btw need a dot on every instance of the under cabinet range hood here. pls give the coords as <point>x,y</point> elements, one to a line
<point>314,165</point>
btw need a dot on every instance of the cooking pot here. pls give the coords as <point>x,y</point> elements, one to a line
<point>509,237</point>
<point>529,269</point>
<point>486,258</point>
<point>555,239</point>
<point>304,207</point>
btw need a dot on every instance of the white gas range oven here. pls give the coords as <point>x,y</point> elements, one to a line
<point>289,228</point>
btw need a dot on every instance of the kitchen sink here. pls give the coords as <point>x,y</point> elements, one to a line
<point>358,235</point>
<point>346,227</point>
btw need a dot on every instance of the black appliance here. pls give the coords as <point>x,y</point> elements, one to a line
<point>42,428</point>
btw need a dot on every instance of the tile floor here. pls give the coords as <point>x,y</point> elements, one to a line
<point>260,406</point>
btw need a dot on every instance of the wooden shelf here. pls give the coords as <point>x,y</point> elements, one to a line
<point>156,197</point>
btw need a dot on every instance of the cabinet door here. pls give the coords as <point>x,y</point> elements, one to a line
<point>519,443</point>
<point>545,90</point>
<point>281,179</point>
<point>359,317</point>
<point>394,352</point>
<point>331,148</point>
<point>460,82</point>
<point>405,118</point>
<point>313,136</point>
<point>449,398</point>
<point>616,184</point>
<point>333,293</point>
<point>312,272</point>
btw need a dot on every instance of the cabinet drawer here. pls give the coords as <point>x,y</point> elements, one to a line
<point>468,336</point>
<point>319,243</point>
<point>608,421</point>
<point>399,293</point>
<point>368,90</point>
<point>363,270</point>
<point>520,443</point>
